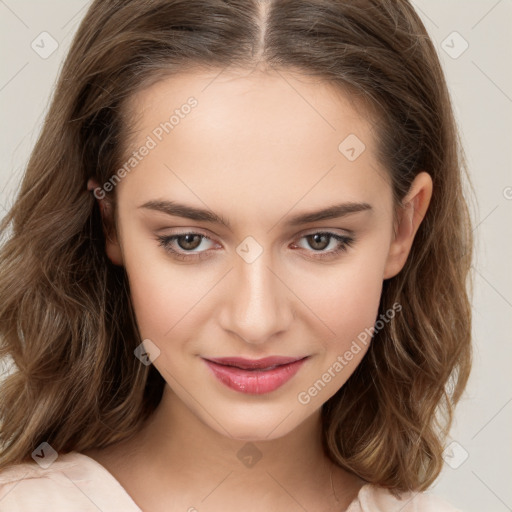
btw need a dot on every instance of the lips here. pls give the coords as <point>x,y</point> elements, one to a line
<point>254,376</point>
<point>252,364</point>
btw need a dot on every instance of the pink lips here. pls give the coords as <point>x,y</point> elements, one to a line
<point>255,376</point>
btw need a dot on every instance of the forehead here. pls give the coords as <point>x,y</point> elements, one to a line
<point>261,134</point>
<point>275,99</point>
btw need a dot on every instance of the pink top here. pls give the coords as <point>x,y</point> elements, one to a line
<point>77,482</point>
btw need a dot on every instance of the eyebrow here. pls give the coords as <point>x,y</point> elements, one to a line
<point>202,215</point>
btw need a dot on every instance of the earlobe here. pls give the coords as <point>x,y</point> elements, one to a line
<point>409,218</point>
<point>112,246</point>
<point>113,250</point>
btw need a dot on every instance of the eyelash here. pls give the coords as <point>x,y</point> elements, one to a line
<point>165,241</point>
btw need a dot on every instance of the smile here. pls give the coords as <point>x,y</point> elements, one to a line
<point>257,376</point>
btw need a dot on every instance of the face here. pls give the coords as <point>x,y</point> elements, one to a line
<point>226,255</point>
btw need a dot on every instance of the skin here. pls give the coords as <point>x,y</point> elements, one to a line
<point>258,149</point>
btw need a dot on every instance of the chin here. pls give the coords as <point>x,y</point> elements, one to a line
<point>257,424</point>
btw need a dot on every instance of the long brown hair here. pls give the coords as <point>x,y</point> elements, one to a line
<point>66,319</point>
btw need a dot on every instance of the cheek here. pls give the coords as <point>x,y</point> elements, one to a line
<point>348,304</point>
<point>162,292</point>
<point>346,296</point>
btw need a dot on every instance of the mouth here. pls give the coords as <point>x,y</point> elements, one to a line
<point>255,376</point>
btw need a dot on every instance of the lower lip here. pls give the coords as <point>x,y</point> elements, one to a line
<point>256,382</point>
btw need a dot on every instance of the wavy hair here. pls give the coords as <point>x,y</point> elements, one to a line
<point>66,319</point>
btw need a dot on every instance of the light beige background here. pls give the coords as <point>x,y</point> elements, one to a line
<point>480,80</point>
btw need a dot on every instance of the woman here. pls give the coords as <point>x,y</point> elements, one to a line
<point>236,276</point>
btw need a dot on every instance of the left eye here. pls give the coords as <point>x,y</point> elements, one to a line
<point>318,242</point>
<point>187,244</point>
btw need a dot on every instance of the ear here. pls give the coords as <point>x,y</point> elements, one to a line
<point>112,246</point>
<point>409,217</point>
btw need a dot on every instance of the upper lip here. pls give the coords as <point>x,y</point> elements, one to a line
<point>251,364</point>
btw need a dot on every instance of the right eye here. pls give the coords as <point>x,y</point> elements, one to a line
<point>183,246</point>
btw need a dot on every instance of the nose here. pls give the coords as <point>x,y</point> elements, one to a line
<point>258,303</point>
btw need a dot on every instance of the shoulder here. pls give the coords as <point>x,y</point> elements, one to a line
<point>28,475</point>
<point>373,498</point>
<point>72,482</point>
